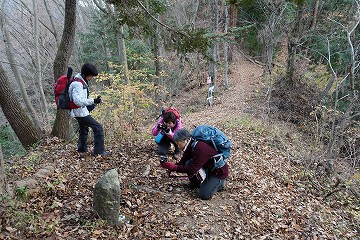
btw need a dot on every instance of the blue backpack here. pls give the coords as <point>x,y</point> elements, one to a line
<point>215,138</point>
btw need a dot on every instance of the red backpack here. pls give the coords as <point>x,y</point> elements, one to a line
<point>174,111</point>
<point>61,91</point>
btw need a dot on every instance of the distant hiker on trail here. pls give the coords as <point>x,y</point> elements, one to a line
<point>79,93</point>
<point>198,162</point>
<point>164,129</point>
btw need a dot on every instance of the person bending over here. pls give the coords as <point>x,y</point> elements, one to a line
<point>197,162</point>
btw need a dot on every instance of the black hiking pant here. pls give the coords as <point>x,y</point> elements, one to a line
<point>84,124</point>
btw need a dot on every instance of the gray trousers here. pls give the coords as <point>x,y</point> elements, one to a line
<point>208,187</point>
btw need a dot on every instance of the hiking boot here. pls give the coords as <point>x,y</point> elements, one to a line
<point>221,188</point>
<point>103,154</point>
<point>192,185</point>
<point>82,154</point>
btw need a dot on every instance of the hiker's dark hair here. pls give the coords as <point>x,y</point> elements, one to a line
<point>169,117</point>
<point>88,69</point>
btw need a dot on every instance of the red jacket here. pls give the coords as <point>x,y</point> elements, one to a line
<point>201,157</point>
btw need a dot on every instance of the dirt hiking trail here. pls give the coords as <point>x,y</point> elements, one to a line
<point>244,80</point>
<point>261,200</point>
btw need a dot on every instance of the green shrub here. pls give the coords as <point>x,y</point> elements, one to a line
<point>10,144</point>
<point>125,107</point>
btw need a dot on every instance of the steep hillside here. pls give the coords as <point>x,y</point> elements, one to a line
<point>265,196</point>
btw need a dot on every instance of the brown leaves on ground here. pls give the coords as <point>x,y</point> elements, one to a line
<point>263,198</point>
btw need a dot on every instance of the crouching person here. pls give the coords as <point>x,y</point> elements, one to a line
<point>166,127</point>
<point>197,161</point>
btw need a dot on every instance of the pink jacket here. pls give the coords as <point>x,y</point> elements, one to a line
<point>156,131</point>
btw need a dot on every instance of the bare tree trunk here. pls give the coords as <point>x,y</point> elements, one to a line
<point>38,64</point>
<point>3,182</point>
<point>61,124</point>
<point>233,15</point>
<point>107,9</point>
<point>292,44</point>
<point>214,26</point>
<point>24,4</point>
<point>290,62</point>
<point>14,68</point>
<point>315,14</point>
<point>122,51</point>
<point>330,83</point>
<point>51,21</point>
<point>23,127</point>
<point>157,54</point>
<point>226,47</point>
<point>353,64</point>
<point>274,13</point>
<point>122,54</point>
<point>350,37</point>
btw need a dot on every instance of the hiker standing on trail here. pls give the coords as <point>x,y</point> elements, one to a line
<point>197,162</point>
<point>164,130</point>
<point>79,93</point>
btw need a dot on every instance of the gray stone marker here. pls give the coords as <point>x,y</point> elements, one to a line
<point>106,200</point>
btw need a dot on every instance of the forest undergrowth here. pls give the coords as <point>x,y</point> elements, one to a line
<point>270,193</point>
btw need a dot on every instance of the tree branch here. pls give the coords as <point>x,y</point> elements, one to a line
<point>156,20</point>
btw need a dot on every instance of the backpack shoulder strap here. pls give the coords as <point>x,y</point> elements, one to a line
<point>218,160</point>
<point>193,144</point>
<point>79,80</point>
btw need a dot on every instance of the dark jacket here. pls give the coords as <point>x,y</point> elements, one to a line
<point>201,158</point>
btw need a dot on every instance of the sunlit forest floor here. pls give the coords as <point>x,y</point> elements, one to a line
<point>267,195</point>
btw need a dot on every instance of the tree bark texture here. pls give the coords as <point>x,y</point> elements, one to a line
<point>61,124</point>
<point>48,11</point>
<point>226,47</point>
<point>315,14</point>
<point>292,44</point>
<point>122,54</point>
<point>38,65</point>
<point>212,51</point>
<point>15,70</point>
<point>274,15</point>
<point>353,65</point>
<point>23,127</point>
